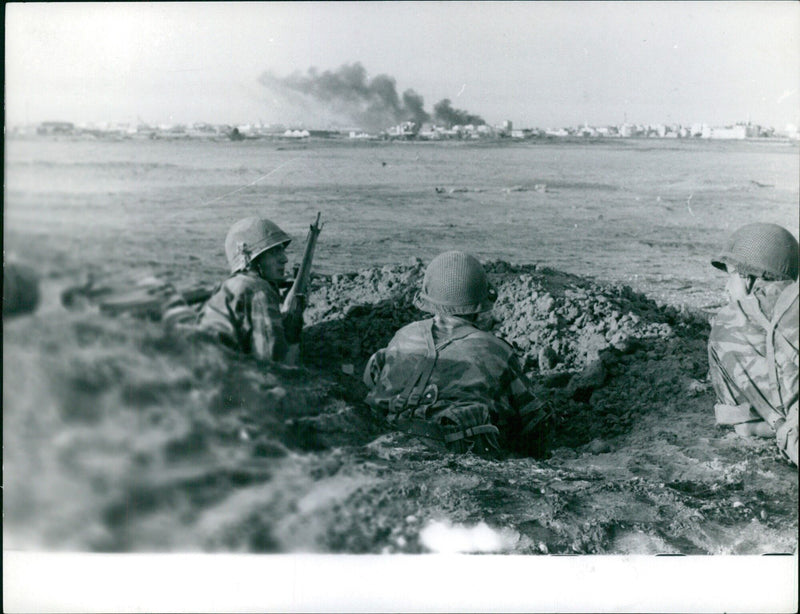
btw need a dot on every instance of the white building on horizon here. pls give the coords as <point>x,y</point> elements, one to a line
<point>729,132</point>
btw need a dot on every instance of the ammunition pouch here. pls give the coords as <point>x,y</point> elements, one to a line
<point>456,427</point>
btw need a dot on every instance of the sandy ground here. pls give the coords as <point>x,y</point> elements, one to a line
<point>120,438</point>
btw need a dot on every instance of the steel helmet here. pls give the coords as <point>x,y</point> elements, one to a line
<point>456,284</point>
<point>768,251</point>
<point>20,289</point>
<point>250,237</point>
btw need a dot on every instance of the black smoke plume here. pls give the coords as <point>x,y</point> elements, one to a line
<point>347,95</point>
<point>446,114</point>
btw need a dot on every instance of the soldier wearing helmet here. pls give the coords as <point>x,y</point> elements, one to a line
<point>244,312</point>
<point>450,382</point>
<point>20,289</point>
<point>753,345</point>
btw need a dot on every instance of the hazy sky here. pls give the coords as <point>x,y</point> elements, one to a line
<point>544,64</point>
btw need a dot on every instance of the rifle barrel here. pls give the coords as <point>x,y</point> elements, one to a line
<point>304,271</point>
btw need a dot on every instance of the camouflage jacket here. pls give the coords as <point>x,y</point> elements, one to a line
<point>471,366</point>
<point>244,314</point>
<point>753,355</point>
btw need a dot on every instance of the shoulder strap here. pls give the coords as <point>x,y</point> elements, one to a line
<point>412,393</point>
<point>470,331</point>
<point>416,392</point>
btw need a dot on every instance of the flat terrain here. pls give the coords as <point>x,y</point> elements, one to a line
<point>118,437</point>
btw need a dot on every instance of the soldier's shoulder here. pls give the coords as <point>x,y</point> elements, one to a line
<point>780,286</point>
<point>730,315</point>
<point>413,333</point>
<point>790,292</point>
<point>769,292</point>
<point>417,328</point>
<point>498,344</point>
<point>249,284</point>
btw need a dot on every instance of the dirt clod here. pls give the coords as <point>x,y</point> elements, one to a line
<point>635,464</point>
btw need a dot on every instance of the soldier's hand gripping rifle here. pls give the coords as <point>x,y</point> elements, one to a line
<point>295,300</point>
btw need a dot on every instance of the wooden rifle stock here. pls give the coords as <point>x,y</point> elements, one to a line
<point>301,281</point>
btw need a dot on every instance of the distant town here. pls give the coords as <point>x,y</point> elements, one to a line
<point>403,131</point>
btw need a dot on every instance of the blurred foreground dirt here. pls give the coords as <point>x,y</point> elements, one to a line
<point>120,438</point>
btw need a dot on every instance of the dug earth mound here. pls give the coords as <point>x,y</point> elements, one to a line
<point>161,443</point>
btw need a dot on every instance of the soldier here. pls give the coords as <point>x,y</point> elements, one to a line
<point>753,345</point>
<point>450,382</point>
<point>244,312</point>
<point>20,289</point>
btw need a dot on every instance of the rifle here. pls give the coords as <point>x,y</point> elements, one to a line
<point>295,297</point>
